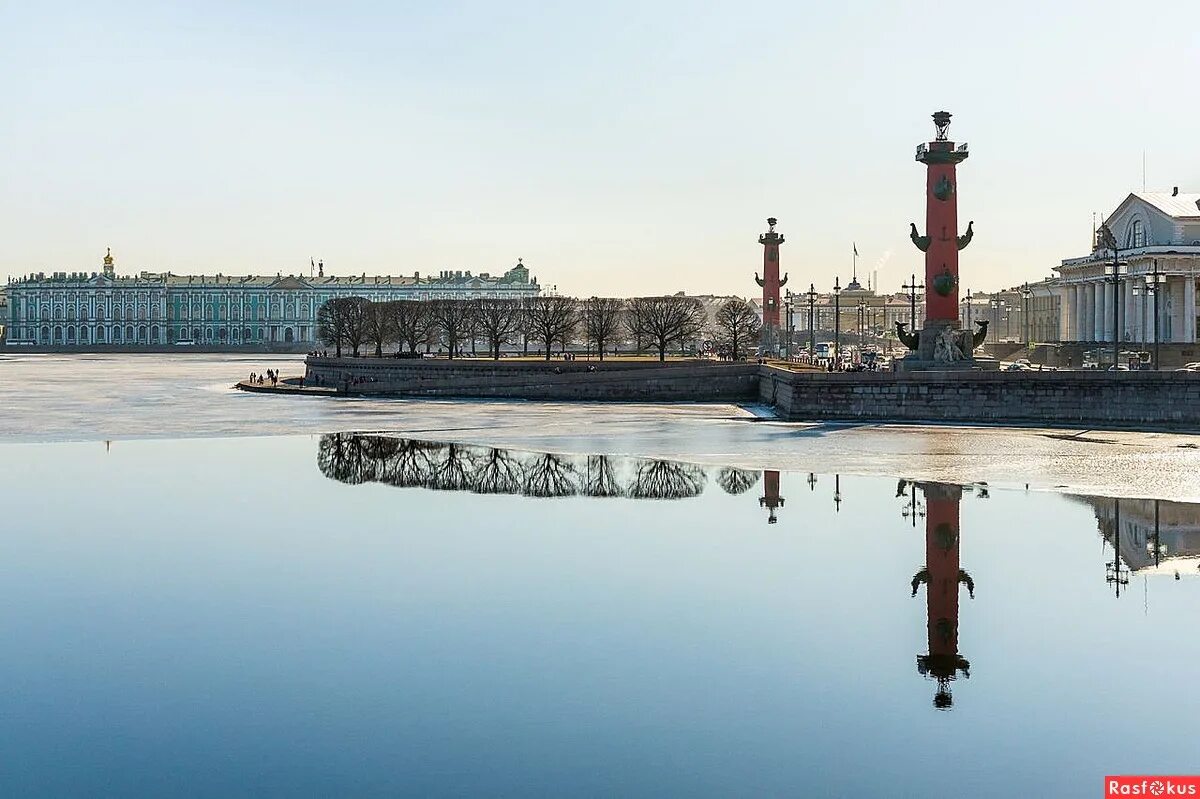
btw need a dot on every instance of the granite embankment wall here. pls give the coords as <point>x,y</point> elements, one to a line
<point>1162,400</point>
<point>1073,399</point>
<point>614,381</point>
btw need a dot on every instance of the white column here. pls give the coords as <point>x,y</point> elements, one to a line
<point>1085,313</point>
<point>1173,324</point>
<point>1069,304</point>
<point>1189,309</point>
<point>1096,311</point>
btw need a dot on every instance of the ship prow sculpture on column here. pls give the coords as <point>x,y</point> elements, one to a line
<point>942,343</point>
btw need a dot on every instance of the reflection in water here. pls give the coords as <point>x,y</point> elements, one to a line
<point>942,577</point>
<point>771,499</point>
<point>403,462</point>
<point>1148,536</point>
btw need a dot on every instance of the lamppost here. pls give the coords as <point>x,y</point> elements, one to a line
<point>837,323</point>
<point>1113,273</point>
<point>912,287</point>
<point>862,327</point>
<point>912,509</point>
<point>791,322</point>
<point>812,328</point>
<point>1026,293</point>
<point>1155,282</point>
<point>1116,574</point>
<point>969,320</point>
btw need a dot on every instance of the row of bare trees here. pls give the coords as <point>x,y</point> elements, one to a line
<point>661,324</point>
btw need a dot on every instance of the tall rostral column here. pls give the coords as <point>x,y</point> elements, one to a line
<point>942,340</point>
<point>771,284</point>
<point>942,575</point>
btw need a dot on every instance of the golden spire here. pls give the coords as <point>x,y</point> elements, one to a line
<point>108,259</point>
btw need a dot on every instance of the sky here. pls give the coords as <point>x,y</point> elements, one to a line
<point>619,148</point>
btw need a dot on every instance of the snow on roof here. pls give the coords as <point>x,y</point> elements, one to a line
<point>1180,206</point>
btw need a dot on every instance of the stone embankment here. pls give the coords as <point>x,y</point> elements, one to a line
<point>1129,400</point>
<point>1136,400</point>
<point>613,381</point>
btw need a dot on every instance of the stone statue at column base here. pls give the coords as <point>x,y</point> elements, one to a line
<point>943,346</point>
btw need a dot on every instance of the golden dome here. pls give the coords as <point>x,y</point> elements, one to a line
<point>108,259</point>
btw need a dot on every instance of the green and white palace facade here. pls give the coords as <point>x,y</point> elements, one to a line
<point>161,309</point>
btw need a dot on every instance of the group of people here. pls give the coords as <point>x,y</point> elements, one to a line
<point>272,377</point>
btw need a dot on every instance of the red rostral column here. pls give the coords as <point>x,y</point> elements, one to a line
<point>770,283</point>
<point>770,498</point>
<point>942,576</point>
<point>941,241</point>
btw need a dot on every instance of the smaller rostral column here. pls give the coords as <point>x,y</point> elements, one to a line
<point>771,284</point>
<point>942,341</point>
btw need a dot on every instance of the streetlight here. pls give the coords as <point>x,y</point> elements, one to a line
<point>1115,573</point>
<point>1026,293</point>
<point>913,508</point>
<point>1153,285</point>
<point>837,322</point>
<point>1113,272</point>
<point>912,287</point>
<point>968,309</point>
<point>812,329</point>
<point>791,323</point>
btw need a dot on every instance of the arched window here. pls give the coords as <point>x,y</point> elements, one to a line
<point>1135,234</point>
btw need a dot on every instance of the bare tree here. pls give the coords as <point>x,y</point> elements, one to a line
<point>737,326</point>
<point>499,321</point>
<point>451,319</point>
<point>549,475</point>
<point>667,480</point>
<point>601,320</point>
<point>736,481</point>
<point>379,326</point>
<point>664,321</point>
<point>410,323</point>
<point>342,321</point>
<point>331,324</point>
<point>356,322</point>
<point>552,320</point>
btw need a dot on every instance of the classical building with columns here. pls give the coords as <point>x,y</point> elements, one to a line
<point>163,309</point>
<point>1155,233</point>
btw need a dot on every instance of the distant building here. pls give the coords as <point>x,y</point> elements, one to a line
<point>161,308</point>
<point>1150,229</point>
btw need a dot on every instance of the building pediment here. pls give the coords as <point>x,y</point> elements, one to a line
<point>290,283</point>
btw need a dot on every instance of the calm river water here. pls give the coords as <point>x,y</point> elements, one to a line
<point>506,600</point>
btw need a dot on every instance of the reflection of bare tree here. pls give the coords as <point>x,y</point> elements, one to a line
<point>667,480</point>
<point>453,469</point>
<point>601,478</point>
<point>736,481</point>
<point>549,475</point>
<point>412,463</point>
<point>403,462</point>
<point>498,472</point>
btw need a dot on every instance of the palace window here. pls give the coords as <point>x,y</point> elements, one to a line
<point>1135,234</point>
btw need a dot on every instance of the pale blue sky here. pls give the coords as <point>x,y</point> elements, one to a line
<point>618,147</point>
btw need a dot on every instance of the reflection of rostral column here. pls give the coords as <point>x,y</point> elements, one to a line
<point>770,283</point>
<point>941,241</point>
<point>942,577</point>
<point>770,499</point>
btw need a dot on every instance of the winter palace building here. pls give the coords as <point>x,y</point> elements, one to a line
<point>160,308</point>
